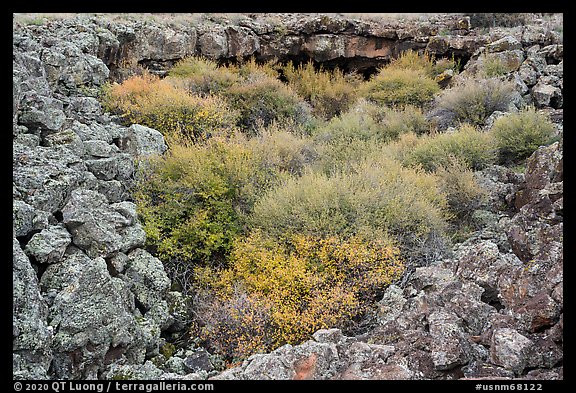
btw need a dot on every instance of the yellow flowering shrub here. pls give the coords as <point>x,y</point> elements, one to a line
<point>295,286</point>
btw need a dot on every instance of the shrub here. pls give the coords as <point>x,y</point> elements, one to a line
<point>192,201</point>
<point>202,76</point>
<point>407,203</point>
<point>294,288</point>
<point>412,60</point>
<point>155,103</point>
<point>354,134</point>
<point>329,92</point>
<point>474,148</point>
<point>463,193</point>
<point>498,19</point>
<point>445,64</point>
<point>472,101</point>
<point>397,122</point>
<point>313,204</point>
<point>518,135</point>
<point>235,325</point>
<point>262,100</point>
<point>284,147</point>
<point>492,66</point>
<point>251,70</point>
<point>186,207</point>
<point>359,123</point>
<point>377,196</point>
<point>396,87</point>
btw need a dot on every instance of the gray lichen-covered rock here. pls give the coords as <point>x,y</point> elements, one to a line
<point>147,277</point>
<point>47,175</point>
<point>146,371</point>
<point>92,317</point>
<point>143,141</point>
<point>93,223</point>
<point>547,95</point>
<point>22,218</point>
<point>49,245</point>
<point>41,113</point>
<point>31,337</point>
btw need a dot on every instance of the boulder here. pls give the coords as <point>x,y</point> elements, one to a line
<point>92,316</point>
<point>147,278</point>
<point>94,225</point>
<point>449,346</point>
<point>547,95</point>
<point>31,335</point>
<point>47,175</point>
<point>511,350</point>
<point>49,245</point>
<point>142,141</point>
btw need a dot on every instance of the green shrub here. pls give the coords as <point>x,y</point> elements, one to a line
<point>348,138</point>
<point>262,100</point>
<point>472,101</point>
<point>377,196</point>
<point>313,204</point>
<point>397,122</point>
<point>192,201</point>
<point>329,92</point>
<point>153,102</point>
<point>252,70</point>
<point>359,123</point>
<point>283,146</point>
<point>279,292</point>
<point>518,135</point>
<point>186,206</point>
<point>396,87</point>
<point>202,76</point>
<point>445,64</point>
<point>412,60</point>
<point>463,193</point>
<point>492,66</point>
<point>474,148</point>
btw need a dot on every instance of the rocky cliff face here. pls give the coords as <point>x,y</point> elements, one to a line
<point>90,302</point>
<point>85,293</point>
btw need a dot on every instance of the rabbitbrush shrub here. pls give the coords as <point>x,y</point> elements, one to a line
<point>153,102</point>
<point>407,80</point>
<point>203,76</point>
<point>398,87</point>
<point>472,101</point>
<point>518,135</point>
<point>329,92</point>
<point>263,100</point>
<point>377,196</point>
<point>474,148</point>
